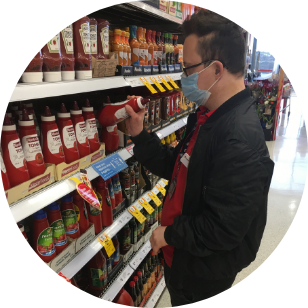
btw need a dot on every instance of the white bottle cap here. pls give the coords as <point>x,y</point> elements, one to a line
<point>84,74</point>
<point>68,75</point>
<point>29,77</point>
<point>52,76</point>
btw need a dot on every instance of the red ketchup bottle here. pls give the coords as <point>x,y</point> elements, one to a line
<point>112,114</point>
<point>67,51</point>
<point>81,212</point>
<point>95,217</point>
<point>33,72</point>
<point>68,136</point>
<point>123,298</point>
<point>56,223</point>
<point>22,230</point>
<point>110,137</point>
<point>42,237</point>
<point>30,109</point>
<point>5,178</point>
<point>88,115</point>
<point>13,155</point>
<point>80,131</point>
<point>51,140</point>
<point>117,189</point>
<point>103,196</point>
<point>69,217</point>
<point>97,271</point>
<point>111,192</point>
<point>31,146</point>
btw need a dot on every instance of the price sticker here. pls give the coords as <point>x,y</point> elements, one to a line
<point>165,181</point>
<point>130,149</point>
<point>161,189</point>
<point>162,183</point>
<point>136,213</point>
<point>148,85</point>
<point>172,82</point>
<point>165,83</point>
<point>154,198</point>
<point>106,241</point>
<point>146,205</point>
<point>160,88</point>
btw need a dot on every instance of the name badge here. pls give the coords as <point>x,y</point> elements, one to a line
<point>185,160</point>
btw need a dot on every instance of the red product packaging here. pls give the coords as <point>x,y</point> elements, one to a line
<point>22,230</point>
<point>95,217</point>
<point>117,189</point>
<point>110,137</point>
<point>34,71</point>
<point>5,178</point>
<point>81,212</point>
<point>67,51</point>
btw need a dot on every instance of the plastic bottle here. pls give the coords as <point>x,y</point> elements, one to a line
<point>125,237</point>
<point>142,46</point>
<point>139,274</point>
<point>138,291</point>
<point>176,49</point>
<point>160,48</point>
<point>93,37</point>
<point>116,254</point>
<point>167,48</point>
<point>67,51</point>
<point>111,192</point>
<point>117,46</point>
<point>57,225</point>
<point>4,176</point>
<point>13,155</point>
<point>81,212</point>
<point>117,189</point>
<point>42,237</point>
<point>97,272</point>
<point>134,45</point>
<point>80,131</point>
<point>34,72</point>
<point>51,140</point>
<point>172,61</point>
<point>132,293</point>
<point>112,114</point>
<point>129,50</point>
<point>31,112</point>
<point>88,115</point>
<point>150,47</point>
<point>110,137</point>
<point>146,48</point>
<point>31,146</point>
<point>69,217</point>
<point>103,38</point>
<point>125,49</point>
<point>155,52</point>
<point>68,136</point>
<point>22,230</point>
<point>123,298</point>
<point>133,228</point>
<point>163,43</point>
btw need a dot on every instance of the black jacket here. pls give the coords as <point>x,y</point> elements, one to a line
<point>225,201</point>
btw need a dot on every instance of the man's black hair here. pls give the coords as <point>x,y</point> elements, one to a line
<point>219,38</point>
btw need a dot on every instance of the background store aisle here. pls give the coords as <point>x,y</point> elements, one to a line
<point>290,154</point>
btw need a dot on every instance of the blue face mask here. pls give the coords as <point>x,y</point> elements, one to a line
<point>192,92</point>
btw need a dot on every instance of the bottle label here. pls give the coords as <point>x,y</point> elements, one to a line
<point>69,138</point>
<point>116,185</point>
<point>92,129</point>
<point>111,129</point>
<point>32,149</point>
<point>168,108</point>
<point>136,51</point>
<point>132,180</point>
<point>81,132</point>
<point>121,114</point>
<point>99,276</point>
<point>70,221</point>
<point>116,256</point>
<point>160,54</point>
<point>54,142</point>
<point>16,154</point>
<point>147,54</point>
<point>152,112</point>
<point>58,233</point>
<point>176,102</point>
<point>93,39</point>
<point>105,40</point>
<point>54,44</point>
<point>93,210</point>
<point>142,54</point>
<point>45,245</point>
<point>2,164</point>
<point>155,56</point>
<point>111,191</point>
<point>108,200</point>
<point>157,111</point>
<point>130,56</point>
<point>146,114</point>
<point>180,55</point>
<point>67,36</point>
<point>85,38</point>
<point>125,56</point>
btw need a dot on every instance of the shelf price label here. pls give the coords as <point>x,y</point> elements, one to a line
<point>154,198</point>
<point>172,82</point>
<point>148,85</point>
<point>161,189</point>
<point>162,183</point>
<point>106,241</point>
<point>146,205</point>
<point>165,181</point>
<point>160,88</point>
<point>165,83</point>
<point>136,213</point>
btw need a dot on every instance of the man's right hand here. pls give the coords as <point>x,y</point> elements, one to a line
<point>134,124</point>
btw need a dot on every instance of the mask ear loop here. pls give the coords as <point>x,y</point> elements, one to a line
<point>213,84</point>
<point>206,67</point>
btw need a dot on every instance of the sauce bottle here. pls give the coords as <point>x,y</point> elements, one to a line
<point>172,61</point>
<point>103,38</point>
<point>69,217</point>
<point>42,237</point>
<point>146,49</point>
<point>146,120</point>
<point>93,37</point>
<point>163,43</point>
<point>31,146</point>
<point>133,193</point>
<point>155,52</point>
<point>13,155</point>
<point>88,115</point>
<point>110,137</point>
<point>132,293</point>
<point>52,60</point>
<point>157,109</point>
<point>111,192</point>
<point>180,46</point>
<point>22,230</point>
<point>34,71</point>
<point>95,218</point>
<point>97,272</point>
<point>142,46</point>
<point>133,228</point>
<point>124,237</point>
<point>67,51</point>
<point>108,261</point>
<point>134,45</point>
<point>125,51</point>
<point>51,140</point>
<point>117,189</point>
<point>123,298</point>
<point>102,192</point>
<point>81,212</point>
<point>82,48</point>
<point>4,176</point>
<point>160,48</point>
<point>80,131</point>
<point>129,50</point>
<point>115,113</point>
<point>117,46</point>
<point>150,47</point>
<point>176,49</point>
<point>110,40</point>
<point>165,106</point>
<point>30,109</point>
<point>125,182</point>
<point>137,179</point>
<point>138,291</point>
<point>57,225</point>
<point>139,274</point>
<point>167,47</point>
<point>67,134</point>
<point>116,254</point>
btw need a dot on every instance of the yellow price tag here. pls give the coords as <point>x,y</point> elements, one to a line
<point>154,198</point>
<point>165,83</point>
<point>172,82</point>
<point>160,88</point>
<point>106,241</point>
<point>161,189</point>
<point>146,206</point>
<point>148,85</point>
<point>137,214</point>
<point>165,181</point>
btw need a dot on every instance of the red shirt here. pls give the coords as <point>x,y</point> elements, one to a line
<point>173,207</point>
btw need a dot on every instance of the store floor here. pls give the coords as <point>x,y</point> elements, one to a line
<point>290,153</point>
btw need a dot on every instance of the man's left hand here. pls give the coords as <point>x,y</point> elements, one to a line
<point>157,239</point>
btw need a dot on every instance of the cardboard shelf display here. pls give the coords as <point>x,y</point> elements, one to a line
<point>104,67</point>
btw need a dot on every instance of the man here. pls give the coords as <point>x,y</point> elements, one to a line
<point>214,212</point>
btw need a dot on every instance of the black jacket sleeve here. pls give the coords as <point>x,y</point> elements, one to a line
<point>237,185</point>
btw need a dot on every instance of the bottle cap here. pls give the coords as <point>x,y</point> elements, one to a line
<point>139,273</point>
<point>87,103</point>
<point>25,116</point>
<point>67,198</point>
<point>136,278</point>
<point>108,101</point>
<point>118,32</point>
<point>7,120</point>
<point>41,214</point>
<point>144,101</point>
<point>75,106</point>
<point>63,108</point>
<point>132,284</point>
<point>21,106</point>
<point>47,112</point>
<point>54,206</point>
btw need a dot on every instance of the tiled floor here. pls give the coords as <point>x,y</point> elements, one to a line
<point>290,154</point>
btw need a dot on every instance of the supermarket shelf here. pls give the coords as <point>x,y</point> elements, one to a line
<point>134,81</point>
<point>156,293</point>
<point>172,128</point>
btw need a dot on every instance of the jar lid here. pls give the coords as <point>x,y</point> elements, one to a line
<point>117,32</point>
<point>132,284</point>
<point>41,214</point>
<point>54,206</point>
<point>67,198</point>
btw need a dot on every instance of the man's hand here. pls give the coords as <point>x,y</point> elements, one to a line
<point>157,239</point>
<point>134,124</point>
